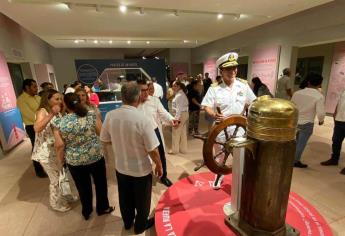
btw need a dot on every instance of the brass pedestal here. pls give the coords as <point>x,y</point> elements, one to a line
<point>244,229</point>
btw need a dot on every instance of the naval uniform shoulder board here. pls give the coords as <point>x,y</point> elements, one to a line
<point>242,80</point>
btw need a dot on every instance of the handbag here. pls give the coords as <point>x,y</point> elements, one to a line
<point>64,185</point>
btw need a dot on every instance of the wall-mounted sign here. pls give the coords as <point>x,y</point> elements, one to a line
<point>336,83</point>
<point>7,94</point>
<point>210,67</point>
<point>265,63</point>
<point>11,128</point>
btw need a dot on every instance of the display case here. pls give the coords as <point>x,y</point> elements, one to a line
<point>108,86</point>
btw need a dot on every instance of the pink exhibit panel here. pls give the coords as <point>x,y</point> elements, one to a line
<point>7,94</point>
<point>210,67</point>
<point>336,83</point>
<point>11,124</point>
<point>265,63</point>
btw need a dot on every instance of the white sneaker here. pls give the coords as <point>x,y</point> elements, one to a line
<point>62,208</point>
<point>217,185</point>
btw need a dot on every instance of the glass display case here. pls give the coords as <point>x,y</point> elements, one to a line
<point>108,86</point>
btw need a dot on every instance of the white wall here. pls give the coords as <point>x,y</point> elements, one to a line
<point>63,60</point>
<point>325,23</point>
<point>20,45</point>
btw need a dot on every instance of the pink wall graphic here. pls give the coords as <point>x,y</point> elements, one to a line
<point>265,63</point>
<point>178,68</point>
<point>7,94</point>
<point>337,78</point>
<point>11,124</point>
<point>210,67</point>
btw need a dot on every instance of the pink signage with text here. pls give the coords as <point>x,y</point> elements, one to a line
<point>7,94</point>
<point>265,66</point>
<point>337,78</point>
<point>210,67</point>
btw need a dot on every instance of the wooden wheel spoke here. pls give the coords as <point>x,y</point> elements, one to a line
<point>225,158</point>
<point>220,143</point>
<point>218,154</point>
<point>235,131</point>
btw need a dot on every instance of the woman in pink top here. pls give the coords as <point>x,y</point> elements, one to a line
<point>93,97</point>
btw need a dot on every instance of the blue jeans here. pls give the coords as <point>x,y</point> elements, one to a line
<point>303,135</point>
<point>338,137</point>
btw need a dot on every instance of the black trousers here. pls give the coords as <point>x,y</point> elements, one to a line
<point>338,138</point>
<point>82,179</point>
<point>134,196</point>
<point>161,153</point>
<point>31,133</point>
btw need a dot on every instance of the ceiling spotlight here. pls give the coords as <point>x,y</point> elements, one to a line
<point>69,5</point>
<point>98,8</point>
<point>95,41</point>
<point>185,41</point>
<point>176,13</point>
<point>129,42</point>
<point>76,41</point>
<point>219,16</point>
<point>237,16</point>
<point>110,41</point>
<point>123,8</point>
<point>148,42</point>
<point>141,11</point>
<point>157,58</point>
<point>144,58</point>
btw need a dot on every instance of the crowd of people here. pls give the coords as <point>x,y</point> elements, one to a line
<point>66,130</point>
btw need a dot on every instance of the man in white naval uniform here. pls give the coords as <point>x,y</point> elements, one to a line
<point>232,96</point>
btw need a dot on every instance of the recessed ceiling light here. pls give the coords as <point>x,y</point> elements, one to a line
<point>148,42</point>
<point>95,41</point>
<point>157,58</point>
<point>110,41</point>
<point>185,41</point>
<point>129,42</point>
<point>76,41</point>
<point>141,11</point>
<point>122,8</point>
<point>98,8</point>
<point>219,16</point>
<point>144,57</point>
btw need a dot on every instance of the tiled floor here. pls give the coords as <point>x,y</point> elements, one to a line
<point>24,207</point>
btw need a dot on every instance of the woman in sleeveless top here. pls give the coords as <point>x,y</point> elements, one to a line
<point>44,151</point>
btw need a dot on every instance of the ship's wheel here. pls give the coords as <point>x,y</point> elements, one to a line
<point>216,156</point>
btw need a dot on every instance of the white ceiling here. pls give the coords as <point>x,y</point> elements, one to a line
<point>196,22</point>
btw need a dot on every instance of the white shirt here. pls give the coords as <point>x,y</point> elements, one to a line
<point>283,84</point>
<point>230,100</point>
<point>179,104</point>
<point>154,110</point>
<point>158,90</point>
<point>340,116</point>
<point>132,137</point>
<point>309,102</point>
<point>69,90</point>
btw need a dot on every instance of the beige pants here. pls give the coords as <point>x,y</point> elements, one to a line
<point>179,135</point>
<point>55,197</point>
